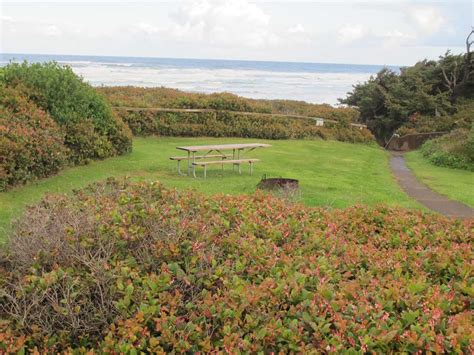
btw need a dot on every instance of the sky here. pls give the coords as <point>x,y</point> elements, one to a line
<point>359,32</point>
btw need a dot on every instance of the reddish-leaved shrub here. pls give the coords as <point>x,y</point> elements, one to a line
<point>31,143</point>
<point>127,267</point>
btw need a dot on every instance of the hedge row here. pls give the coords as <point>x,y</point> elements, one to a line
<point>50,117</point>
<point>129,96</point>
<point>453,150</point>
<point>229,124</point>
<point>129,268</point>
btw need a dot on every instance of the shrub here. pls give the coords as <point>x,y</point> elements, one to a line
<point>223,122</point>
<point>453,150</point>
<point>71,102</point>
<point>127,267</point>
<point>229,124</point>
<point>172,98</point>
<point>463,118</point>
<point>31,143</point>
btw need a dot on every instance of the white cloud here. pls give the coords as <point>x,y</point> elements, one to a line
<point>296,29</point>
<point>52,31</point>
<point>352,32</point>
<point>146,28</point>
<point>6,19</point>
<point>428,19</point>
<point>223,22</point>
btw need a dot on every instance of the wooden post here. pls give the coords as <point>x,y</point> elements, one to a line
<point>250,168</point>
<point>233,158</point>
<point>238,158</point>
<point>194,166</point>
<point>189,163</point>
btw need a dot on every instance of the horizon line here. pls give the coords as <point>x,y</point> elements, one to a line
<point>204,59</point>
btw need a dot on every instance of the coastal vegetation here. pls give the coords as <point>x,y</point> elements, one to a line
<point>124,267</point>
<point>145,122</point>
<point>51,118</point>
<point>453,150</point>
<point>229,116</point>
<point>432,95</point>
<point>128,96</point>
<point>31,143</point>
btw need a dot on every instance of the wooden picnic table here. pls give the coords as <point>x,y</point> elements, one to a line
<point>237,149</point>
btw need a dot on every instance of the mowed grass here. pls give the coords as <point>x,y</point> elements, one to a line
<point>331,173</point>
<point>456,184</point>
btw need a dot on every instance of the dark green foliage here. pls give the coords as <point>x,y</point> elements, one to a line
<point>392,100</point>
<point>31,143</point>
<point>125,268</point>
<point>454,150</point>
<point>71,102</point>
<point>462,119</point>
<point>229,124</point>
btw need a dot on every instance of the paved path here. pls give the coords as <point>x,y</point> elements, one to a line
<point>423,194</point>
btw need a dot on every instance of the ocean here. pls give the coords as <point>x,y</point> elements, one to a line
<point>311,82</point>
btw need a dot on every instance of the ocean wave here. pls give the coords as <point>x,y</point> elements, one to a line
<point>311,87</point>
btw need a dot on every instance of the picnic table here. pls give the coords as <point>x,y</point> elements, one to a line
<point>217,151</point>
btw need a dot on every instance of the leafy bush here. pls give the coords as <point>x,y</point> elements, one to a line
<point>31,143</point>
<point>454,150</point>
<point>172,98</point>
<point>71,102</point>
<point>462,118</point>
<point>221,122</point>
<point>124,267</point>
<point>229,124</point>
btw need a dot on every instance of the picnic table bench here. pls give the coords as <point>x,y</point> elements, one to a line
<point>217,152</point>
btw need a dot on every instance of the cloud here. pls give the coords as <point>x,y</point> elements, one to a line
<point>223,22</point>
<point>428,19</point>
<point>52,31</point>
<point>360,34</point>
<point>296,29</point>
<point>7,19</point>
<point>352,32</point>
<point>146,28</point>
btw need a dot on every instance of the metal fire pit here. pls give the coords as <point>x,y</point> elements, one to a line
<point>278,184</point>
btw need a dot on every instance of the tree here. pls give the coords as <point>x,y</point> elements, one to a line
<point>388,100</point>
<point>458,70</point>
<point>430,88</point>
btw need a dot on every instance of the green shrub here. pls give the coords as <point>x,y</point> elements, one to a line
<point>129,96</point>
<point>70,102</point>
<point>223,122</point>
<point>230,124</point>
<point>453,150</point>
<point>463,118</point>
<point>127,268</point>
<point>31,143</point>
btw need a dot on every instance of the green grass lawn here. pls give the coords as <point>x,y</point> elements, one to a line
<point>331,173</point>
<point>454,183</point>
